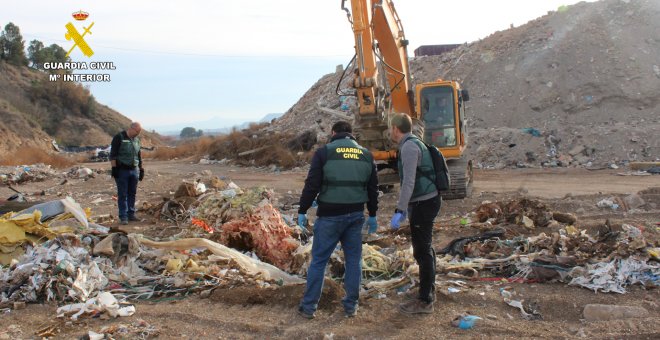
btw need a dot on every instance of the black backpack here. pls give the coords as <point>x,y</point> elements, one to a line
<point>442,179</point>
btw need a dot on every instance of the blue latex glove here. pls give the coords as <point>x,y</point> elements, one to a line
<point>315,204</point>
<point>399,217</point>
<point>302,220</point>
<point>373,224</point>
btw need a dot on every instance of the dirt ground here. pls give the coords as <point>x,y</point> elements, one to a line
<point>270,313</point>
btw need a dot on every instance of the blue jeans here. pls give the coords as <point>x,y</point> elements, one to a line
<point>328,231</point>
<point>126,180</point>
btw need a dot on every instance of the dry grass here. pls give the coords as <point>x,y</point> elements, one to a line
<point>272,149</point>
<point>31,155</point>
<point>190,148</point>
<point>275,148</point>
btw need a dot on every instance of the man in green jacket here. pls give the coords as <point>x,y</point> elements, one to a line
<point>342,178</point>
<point>419,199</point>
<point>127,170</point>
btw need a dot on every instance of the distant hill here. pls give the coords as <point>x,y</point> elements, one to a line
<point>221,126</point>
<point>269,117</point>
<point>36,111</point>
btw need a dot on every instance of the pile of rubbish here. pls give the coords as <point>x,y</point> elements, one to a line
<point>22,174</point>
<point>230,237</point>
<point>607,259</point>
<point>244,220</point>
<point>41,222</point>
<point>54,252</point>
<point>41,172</point>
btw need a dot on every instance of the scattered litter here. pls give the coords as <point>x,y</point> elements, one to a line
<point>97,201</point>
<point>465,321</point>
<point>531,314</point>
<point>608,203</point>
<point>532,131</point>
<point>103,302</point>
<point>84,173</point>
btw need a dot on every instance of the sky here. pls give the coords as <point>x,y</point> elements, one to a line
<point>215,63</point>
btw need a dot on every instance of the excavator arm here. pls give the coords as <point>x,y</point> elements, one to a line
<point>383,85</point>
<point>379,38</point>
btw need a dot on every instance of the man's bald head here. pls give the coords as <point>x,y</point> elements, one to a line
<point>134,129</point>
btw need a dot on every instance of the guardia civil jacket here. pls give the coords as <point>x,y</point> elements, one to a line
<point>342,178</point>
<point>126,151</point>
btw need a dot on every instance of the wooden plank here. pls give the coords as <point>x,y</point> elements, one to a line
<point>245,153</point>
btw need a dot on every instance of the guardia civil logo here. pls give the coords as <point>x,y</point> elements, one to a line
<point>78,38</point>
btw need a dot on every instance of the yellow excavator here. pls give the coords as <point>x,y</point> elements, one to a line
<point>383,85</point>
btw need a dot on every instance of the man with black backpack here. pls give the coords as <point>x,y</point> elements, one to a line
<point>420,200</point>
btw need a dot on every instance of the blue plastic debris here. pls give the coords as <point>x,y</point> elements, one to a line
<point>465,321</point>
<point>532,131</point>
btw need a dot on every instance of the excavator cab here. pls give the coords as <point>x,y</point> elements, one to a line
<point>441,109</point>
<point>438,116</point>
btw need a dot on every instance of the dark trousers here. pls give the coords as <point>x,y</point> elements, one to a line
<point>127,181</point>
<point>422,214</point>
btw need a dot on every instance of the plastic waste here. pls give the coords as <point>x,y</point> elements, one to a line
<point>532,131</point>
<point>229,193</point>
<point>48,209</point>
<point>508,299</point>
<point>249,265</point>
<point>76,210</point>
<point>200,188</point>
<point>607,203</point>
<point>465,321</point>
<point>84,172</point>
<point>103,302</point>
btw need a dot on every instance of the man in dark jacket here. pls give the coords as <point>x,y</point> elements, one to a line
<point>343,176</point>
<point>127,170</point>
<point>418,198</point>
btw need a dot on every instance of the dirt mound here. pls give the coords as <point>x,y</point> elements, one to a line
<point>287,296</point>
<point>35,111</point>
<point>586,79</point>
<point>312,109</point>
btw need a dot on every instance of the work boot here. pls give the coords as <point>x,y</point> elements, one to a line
<point>133,219</point>
<point>416,307</point>
<point>351,314</point>
<point>413,294</point>
<point>304,314</point>
<point>123,222</point>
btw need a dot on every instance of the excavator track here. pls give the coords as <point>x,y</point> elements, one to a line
<point>460,173</point>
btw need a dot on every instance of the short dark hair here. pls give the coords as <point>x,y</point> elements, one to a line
<point>342,126</point>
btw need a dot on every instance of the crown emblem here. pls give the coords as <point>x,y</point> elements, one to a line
<point>80,15</point>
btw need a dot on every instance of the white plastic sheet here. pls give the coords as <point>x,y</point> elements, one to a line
<point>615,275</point>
